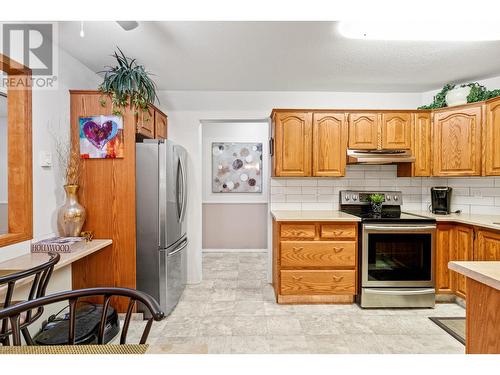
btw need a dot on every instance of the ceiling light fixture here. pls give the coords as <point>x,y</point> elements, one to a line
<point>413,30</point>
<point>82,33</point>
<point>128,25</point>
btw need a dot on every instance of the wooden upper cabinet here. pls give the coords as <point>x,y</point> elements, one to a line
<point>492,138</point>
<point>396,131</point>
<point>363,131</point>
<point>457,142</point>
<point>329,144</point>
<point>487,246</point>
<point>445,245</point>
<point>293,144</point>
<point>422,144</point>
<point>145,125</point>
<point>464,246</point>
<point>160,125</point>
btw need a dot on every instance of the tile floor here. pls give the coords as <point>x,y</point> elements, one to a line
<point>234,311</point>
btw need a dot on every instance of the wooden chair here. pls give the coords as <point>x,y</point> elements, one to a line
<point>41,275</point>
<point>13,313</point>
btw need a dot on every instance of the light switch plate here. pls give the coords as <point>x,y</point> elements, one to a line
<point>45,159</point>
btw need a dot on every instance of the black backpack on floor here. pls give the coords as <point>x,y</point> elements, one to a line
<point>88,316</point>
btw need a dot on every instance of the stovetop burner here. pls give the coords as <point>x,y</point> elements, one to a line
<point>357,203</point>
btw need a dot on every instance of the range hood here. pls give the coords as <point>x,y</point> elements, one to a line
<point>379,156</point>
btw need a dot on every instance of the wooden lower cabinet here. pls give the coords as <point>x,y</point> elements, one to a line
<point>318,254</point>
<point>482,319</point>
<point>487,245</point>
<point>444,253</point>
<point>315,262</point>
<point>462,243</point>
<point>310,282</point>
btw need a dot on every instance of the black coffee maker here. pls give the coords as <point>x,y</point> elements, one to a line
<point>441,200</point>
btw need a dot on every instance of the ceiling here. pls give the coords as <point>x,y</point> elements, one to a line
<point>279,56</point>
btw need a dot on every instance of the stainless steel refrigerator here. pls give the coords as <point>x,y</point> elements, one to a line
<point>161,199</point>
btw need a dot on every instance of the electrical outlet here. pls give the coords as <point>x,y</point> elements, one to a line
<point>45,159</point>
<point>476,193</point>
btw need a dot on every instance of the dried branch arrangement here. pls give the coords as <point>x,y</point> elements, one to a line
<point>68,159</point>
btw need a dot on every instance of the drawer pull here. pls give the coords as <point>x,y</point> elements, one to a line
<point>337,249</point>
<point>297,249</point>
<point>337,278</point>
<point>297,278</point>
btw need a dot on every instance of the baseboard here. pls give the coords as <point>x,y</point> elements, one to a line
<point>234,250</point>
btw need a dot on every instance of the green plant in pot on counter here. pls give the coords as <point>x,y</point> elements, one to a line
<point>128,83</point>
<point>376,201</point>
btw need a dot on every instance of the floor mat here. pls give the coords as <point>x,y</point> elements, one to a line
<point>454,326</point>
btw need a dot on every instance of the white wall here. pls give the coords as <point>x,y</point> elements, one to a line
<point>51,111</point>
<point>3,156</point>
<point>234,221</point>
<point>3,168</point>
<point>186,109</point>
<point>255,132</point>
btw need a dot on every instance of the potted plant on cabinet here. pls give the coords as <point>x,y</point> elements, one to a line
<point>128,83</point>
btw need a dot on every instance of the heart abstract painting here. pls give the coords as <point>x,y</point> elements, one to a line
<point>101,137</point>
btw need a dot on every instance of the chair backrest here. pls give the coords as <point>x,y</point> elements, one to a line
<point>41,275</point>
<point>14,312</point>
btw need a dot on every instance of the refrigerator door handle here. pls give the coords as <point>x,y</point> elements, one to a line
<point>178,191</point>
<point>184,188</point>
<point>179,248</point>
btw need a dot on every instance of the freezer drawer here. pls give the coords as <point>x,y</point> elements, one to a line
<point>173,275</point>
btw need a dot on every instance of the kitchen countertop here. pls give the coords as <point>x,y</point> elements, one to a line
<point>485,221</point>
<point>292,215</point>
<point>486,272</point>
<point>31,260</point>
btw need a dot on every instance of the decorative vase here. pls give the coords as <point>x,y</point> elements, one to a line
<point>457,96</point>
<point>377,208</point>
<point>71,215</point>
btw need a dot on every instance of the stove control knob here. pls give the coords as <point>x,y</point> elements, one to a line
<point>354,197</point>
<point>388,198</point>
<point>396,198</point>
<point>346,197</point>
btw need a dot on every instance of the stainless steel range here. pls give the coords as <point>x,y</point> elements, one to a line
<point>396,252</point>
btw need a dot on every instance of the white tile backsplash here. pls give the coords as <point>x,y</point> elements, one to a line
<point>479,195</point>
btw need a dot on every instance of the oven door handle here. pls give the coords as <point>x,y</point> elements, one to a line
<point>405,228</point>
<point>399,292</point>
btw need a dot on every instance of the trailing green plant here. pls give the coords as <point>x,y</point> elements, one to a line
<point>128,83</point>
<point>377,198</point>
<point>440,98</point>
<point>478,93</point>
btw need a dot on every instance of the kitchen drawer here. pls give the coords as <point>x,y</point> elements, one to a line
<point>341,231</point>
<point>318,254</point>
<point>318,282</point>
<point>305,231</point>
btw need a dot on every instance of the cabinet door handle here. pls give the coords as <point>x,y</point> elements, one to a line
<point>297,249</point>
<point>337,250</point>
<point>297,278</point>
<point>337,278</point>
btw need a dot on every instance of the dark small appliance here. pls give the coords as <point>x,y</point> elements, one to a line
<point>441,200</point>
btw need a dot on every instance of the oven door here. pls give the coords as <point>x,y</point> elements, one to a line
<point>398,255</point>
